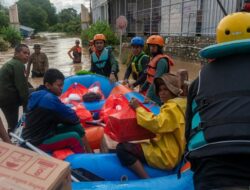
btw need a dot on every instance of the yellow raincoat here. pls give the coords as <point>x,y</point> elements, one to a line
<point>166,149</point>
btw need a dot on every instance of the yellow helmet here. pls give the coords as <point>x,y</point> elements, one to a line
<point>233,27</point>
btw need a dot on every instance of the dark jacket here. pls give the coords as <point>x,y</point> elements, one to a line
<point>44,112</point>
<point>13,84</point>
<point>218,113</point>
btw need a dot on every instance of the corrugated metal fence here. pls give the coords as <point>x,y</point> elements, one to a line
<point>171,17</point>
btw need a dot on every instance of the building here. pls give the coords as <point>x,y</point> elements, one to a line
<point>99,10</point>
<point>84,17</point>
<point>165,17</point>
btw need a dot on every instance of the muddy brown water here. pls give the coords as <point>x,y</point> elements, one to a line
<point>56,46</point>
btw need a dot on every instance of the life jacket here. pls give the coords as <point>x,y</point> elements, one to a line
<point>221,109</point>
<point>153,65</point>
<point>77,53</point>
<point>102,60</point>
<point>136,63</point>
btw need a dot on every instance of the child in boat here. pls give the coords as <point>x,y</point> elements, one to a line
<point>50,124</point>
<point>166,150</point>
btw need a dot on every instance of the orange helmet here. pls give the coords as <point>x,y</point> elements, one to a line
<point>99,37</point>
<point>156,40</point>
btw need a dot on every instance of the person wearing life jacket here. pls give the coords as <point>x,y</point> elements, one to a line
<point>91,47</point>
<point>218,110</point>
<point>103,61</point>
<point>158,65</point>
<point>165,151</point>
<point>138,63</point>
<point>77,52</point>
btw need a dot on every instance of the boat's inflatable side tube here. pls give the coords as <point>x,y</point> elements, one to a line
<point>170,182</point>
<point>108,167</point>
<point>88,80</point>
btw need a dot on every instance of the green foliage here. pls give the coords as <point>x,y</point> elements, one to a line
<point>11,35</point>
<point>4,18</point>
<point>67,15</point>
<point>100,28</point>
<point>69,22</point>
<point>84,72</point>
<point>3,45</point>
<point>38,14</point>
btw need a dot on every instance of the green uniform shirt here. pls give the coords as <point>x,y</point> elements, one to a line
<point>13,84</point>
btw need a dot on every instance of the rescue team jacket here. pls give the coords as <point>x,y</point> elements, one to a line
<point>153,65</point>
<point>164,151</point>
<point>136,64</point>
<point>102,60</point>
<point>44,112</point>
<point>221,109</point>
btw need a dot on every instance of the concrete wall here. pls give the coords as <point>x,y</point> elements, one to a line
<point>187,47</point>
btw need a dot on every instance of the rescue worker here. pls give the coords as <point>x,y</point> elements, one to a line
<point>103,61</point>
<point>164,151</point>
<point>158,65</point>
<point>138,63</point>
<point>218,110</point>
<point>39,61</point>
<point>13,85</point>
<point>91,46</point>
<point>77,52</point>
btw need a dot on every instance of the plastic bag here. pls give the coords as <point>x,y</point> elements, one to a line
<point>114,103</point>
<point>121,123</point>
<point>83,114</point>
<point>74,93</point>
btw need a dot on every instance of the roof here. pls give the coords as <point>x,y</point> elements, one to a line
<point>26,28</point>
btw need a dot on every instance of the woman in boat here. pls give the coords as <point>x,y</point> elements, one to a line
<point>166,150</point>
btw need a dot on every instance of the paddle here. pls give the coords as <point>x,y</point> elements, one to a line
<point>39,151</point>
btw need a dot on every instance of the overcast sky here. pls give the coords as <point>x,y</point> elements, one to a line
<point>59,4</point>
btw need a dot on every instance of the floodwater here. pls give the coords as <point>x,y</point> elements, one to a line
<point>56,46</point>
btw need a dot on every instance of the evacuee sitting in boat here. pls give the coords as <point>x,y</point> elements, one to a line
<point>138,63</point>
<point>77,52</point>
<point>166,149</point>
<point>50,124</point>
<point>158,65</point>
<point>103,61</point>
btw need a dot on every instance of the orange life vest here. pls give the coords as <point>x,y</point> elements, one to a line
<point>153,65</point>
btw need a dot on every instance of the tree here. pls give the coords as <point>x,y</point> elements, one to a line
<point>4,19</point>
<point>67,15</point>
<point>38,14</point>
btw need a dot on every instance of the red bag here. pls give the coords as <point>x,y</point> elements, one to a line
<point>121,125</point>
<point>114,103</point>
<point>83,114</point>
<point>75,89</point>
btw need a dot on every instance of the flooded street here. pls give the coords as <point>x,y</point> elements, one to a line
<point>56,46</point>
